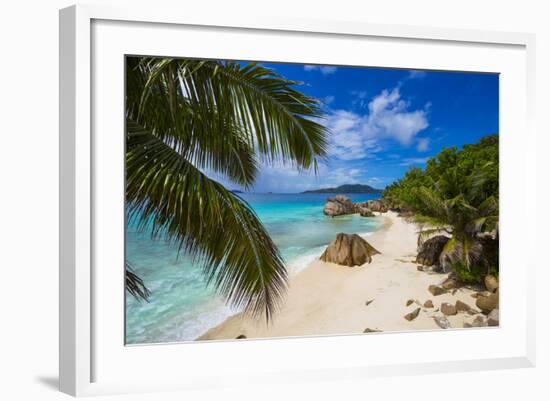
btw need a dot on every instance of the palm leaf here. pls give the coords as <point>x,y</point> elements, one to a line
<point>426,233</point>
<point>489,206</point>
<point>205,138</point>
<point>169,196</point>
<point>273,117</point>
<point>135,285</point>
<point>432,202</point>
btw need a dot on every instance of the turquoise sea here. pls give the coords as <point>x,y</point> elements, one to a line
<point>182,307</point>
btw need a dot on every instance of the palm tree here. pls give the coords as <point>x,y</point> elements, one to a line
<point>459,205</point>
<point>188,120</point>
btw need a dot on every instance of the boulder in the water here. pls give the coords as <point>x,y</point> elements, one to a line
<point>338,205</point>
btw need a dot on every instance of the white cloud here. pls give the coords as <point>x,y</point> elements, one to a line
<point>327,100</point>
<point>414,160</point>
<point>354,136</point>
<point>284,178</point>
<point>417,74</point>
<point>385,100</point>
<point>342,175</point>
<point>389,116</point>
<point>347,141</point>
<point>423,144</point>
<point>360,99</point>
<point>324,69</point>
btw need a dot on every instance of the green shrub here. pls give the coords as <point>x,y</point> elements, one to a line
<point>474,275</point>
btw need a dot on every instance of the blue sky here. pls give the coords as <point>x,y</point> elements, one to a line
<point>384,121</point>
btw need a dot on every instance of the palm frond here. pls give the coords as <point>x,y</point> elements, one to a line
<point>489,206</point>
<point>171,197</point>
<point>429,221</point>
<point>475,226</point>
<point>477,180</point>
<point>462,250</point>
<point>426,233</point>
<point>272,116</point>
<point>203,136</point>
<point>135,285</point>
<point>433,203</point>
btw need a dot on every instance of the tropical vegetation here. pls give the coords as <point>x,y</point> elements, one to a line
<point>191,121</point>
<point>457,194</point>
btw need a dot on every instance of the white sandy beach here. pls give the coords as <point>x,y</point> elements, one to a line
<point>326,298</point>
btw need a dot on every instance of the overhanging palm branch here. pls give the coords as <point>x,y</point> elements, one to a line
<point>186,118</point>
<point>276,119</point>
<point>135,285</point>
<point>175,200</point>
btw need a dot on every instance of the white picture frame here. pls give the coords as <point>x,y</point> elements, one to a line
<point>85,353</point>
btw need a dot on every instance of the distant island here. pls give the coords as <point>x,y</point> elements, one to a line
<point>346,189</point>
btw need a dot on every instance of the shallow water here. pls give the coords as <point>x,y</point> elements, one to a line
<point>182,307</point>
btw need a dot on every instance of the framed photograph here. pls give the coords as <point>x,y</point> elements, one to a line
<point>279,200</point>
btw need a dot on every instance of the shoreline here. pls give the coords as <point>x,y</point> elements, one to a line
<point>329,299</point>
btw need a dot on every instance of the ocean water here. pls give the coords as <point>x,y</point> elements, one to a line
<point>182,307</point>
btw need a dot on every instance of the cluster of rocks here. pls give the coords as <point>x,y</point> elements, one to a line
<point>431,257</point>
<point>451,283</point>
<point>487,301</point>
<point>349,250</point>
<point>342,205</point>
<point>375,205</point>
